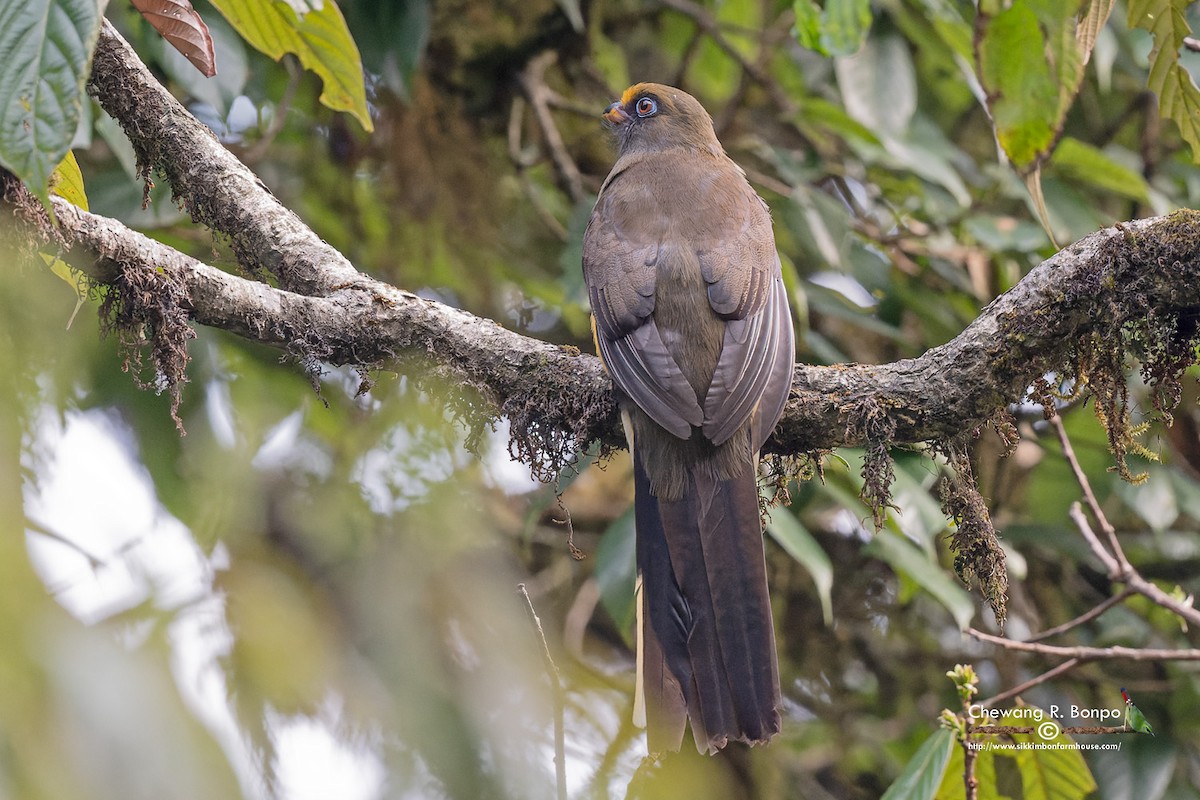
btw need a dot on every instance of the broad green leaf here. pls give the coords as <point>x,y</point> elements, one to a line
<point>879,86</point>
<point>923,773</point>
<point>616,570</point>
<point>1057,772</point>
<point>908,560</point>
<point>74,278</point>
<point>1178,96</point>
<point>1088,164</point>
<point>844,25</point>
<point>67,182</point>
<point>318,37</point>
<point>951,27</point>
<point>1016,74</point>
<point>1031,67</point>
<point>808,25</point>
<point>46,47</point>
<point>792,536</point>
<point>838,29</point>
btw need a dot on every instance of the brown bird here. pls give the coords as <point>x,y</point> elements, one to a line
<point>691,319</point>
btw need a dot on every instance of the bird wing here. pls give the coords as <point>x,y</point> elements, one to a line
<point>620,264</point>
<point>729,231</point>
<point>745,286</point>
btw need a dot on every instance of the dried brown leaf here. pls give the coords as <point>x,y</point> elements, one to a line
<point>180,25</point>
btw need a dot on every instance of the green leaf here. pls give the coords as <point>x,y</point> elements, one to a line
<point>1178,97</point>
<point>808,25</point>
<point>845,25</point>
<point>67,182</point>
<point>790,534</point>
<point>906,559</point>
<point>1031,67</point>
<point>838,29</point>
<point>923,773</point>
<point>1010,768</point>
<point>1091,165</point>
<point>318,37</point>
<point>616,571</point>
<point>879,86</point>
<point>46,47</point>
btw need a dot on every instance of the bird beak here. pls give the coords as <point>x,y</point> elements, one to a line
<point>615,114</point>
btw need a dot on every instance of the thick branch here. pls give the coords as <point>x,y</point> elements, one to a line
<point>1092,290</point>
<point>948,389</point>
<point>217,189</point>
<point>373,324</point>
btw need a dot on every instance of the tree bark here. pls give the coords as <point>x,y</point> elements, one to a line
<point>1133,288</point>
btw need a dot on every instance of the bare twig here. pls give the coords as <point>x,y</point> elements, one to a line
<point>1119,568</point>
<point>533,83</point>
<point>709,24</point>
<point>1088,653</point>
<point>560,748</point>
<point>1061,669</point>
<point>1088,729</point>
<point>1085,617</point>
<point>1093,504</point>
<point>1093,541</point>
<point>522,161</point>
<point>1156,595</point>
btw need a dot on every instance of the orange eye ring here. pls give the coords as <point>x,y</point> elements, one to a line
<point>646,107</point>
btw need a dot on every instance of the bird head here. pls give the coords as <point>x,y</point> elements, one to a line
<point>651,116</point>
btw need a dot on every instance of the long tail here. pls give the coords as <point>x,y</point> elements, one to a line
<point>706,639</point>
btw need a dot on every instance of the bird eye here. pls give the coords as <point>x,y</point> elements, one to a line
<point>646,107</point>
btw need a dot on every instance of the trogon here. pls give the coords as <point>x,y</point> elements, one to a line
<point>691,319</point>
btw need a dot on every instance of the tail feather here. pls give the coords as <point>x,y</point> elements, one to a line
<point>708,644</point>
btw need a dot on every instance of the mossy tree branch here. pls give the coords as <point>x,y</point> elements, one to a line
<point>1130,290</point>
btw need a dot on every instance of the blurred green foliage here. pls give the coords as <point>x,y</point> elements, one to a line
<point>345,559</point>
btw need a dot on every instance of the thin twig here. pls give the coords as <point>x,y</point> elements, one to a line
<point>1089,729</point>
<point>1110,533</point>
<point>1085,529</point>
<point>1061,669</point>
<point>1088,653</point>
<point>560,745</point>
<point>1182,608</point>
<point>708,23</point>
<point>533,83</point>
<point>1119,568</point>
<point>522,161</point>
<point>970,754</point>
<point>1085,617</point>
